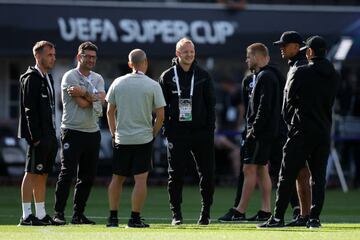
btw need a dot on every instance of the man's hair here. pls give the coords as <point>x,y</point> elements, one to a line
<point>39,46</point>
<point>136,57</point>
<point>87,46</point>
<point>182,42</point>
<point>258,48</point>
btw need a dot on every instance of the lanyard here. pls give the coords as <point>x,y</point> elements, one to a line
<point>178,85</point>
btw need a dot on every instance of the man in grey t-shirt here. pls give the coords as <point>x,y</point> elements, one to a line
<point>82,96</point>
<point>131,100</point>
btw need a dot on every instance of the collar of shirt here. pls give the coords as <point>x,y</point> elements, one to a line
<point>88,78</point>
<point>38,69</point>
<point>138,72</point>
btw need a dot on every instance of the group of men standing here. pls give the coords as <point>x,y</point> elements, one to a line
<point>183,103</point>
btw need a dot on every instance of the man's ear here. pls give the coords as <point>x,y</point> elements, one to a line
<point>177,53</point>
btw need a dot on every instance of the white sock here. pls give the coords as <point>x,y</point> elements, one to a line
<point>26,207</point>
<point>40,210</point>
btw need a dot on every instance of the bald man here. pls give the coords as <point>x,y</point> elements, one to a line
<point>131,100</point>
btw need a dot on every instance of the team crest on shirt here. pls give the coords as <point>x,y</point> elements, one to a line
<point>39,167</point>
<point>170,145</point>
<point>66,146</point>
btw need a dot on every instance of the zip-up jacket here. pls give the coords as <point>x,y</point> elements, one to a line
<point>312,93</point>
<point>298,60</point>
<point>264,112</point>
<point>36,106</point>
<point>203,100</point>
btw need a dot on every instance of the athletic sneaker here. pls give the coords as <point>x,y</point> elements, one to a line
<point>137,223</point>
<point>233,216</point>
<point>80,218</point>
<point>260,216</point>
<point>204,219</point>
<point>272,223</point>
<point>59,218</point>
<point>300,221</point>
<point>47,220</point>
<point>31,220</point>
<point>112,222</point>
<point>296,212</point>
<point>313,223</point>
<point>177,219</point>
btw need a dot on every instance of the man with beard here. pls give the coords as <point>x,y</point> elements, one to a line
<point>311,92</point>
<point>82,96</point>
<point>289,44</point>
<point>37,126</point>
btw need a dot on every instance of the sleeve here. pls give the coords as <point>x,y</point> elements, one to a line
<point>110,96</point>
<point>159,100</point>
<point>100,86</point>
<point>292,98</point>
<point>68,81</point>
<point>210,101</point>
<point>263,113</point>
<point>32,91</point>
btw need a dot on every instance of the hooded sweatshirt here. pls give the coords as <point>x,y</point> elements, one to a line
<point>264,119</point>
<point>203,100</point>
<point>312,94</point>
<point>36,107</point>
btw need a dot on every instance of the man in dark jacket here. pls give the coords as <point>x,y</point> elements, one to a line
<point>37,126</point>
<point>312,91</point>
<point>289,44</point>
<point>189,127</point>
<point>263,129</point>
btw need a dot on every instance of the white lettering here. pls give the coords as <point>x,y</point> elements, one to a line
<point>82,26</point>
<point>109,31</point>
<point>70,34</point>
<point>85,29</point>
<point>145,31</point>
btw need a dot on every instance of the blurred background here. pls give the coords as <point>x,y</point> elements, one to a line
<point>221,31</point>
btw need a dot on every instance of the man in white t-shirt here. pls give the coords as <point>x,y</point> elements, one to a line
<point>132,98</point>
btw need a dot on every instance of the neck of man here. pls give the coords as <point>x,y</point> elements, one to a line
<point>42,69</point>
<point>138,70</point>
<point>84,71</point>
<point>185,67</point>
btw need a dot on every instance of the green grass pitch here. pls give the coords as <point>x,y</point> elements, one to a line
<point>340,218</point>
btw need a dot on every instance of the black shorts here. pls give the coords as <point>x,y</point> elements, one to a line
<point>257,151</point>
<point>130,160</point>
<point>41,158</point>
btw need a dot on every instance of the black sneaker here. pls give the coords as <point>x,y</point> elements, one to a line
<point>272,223</point>
<point>260,216</point>
<point>300,221</point>
<point>112,222</point>
<point>204,219</point>
<point>313,223</point>
<point>59,219</point>
<point>137,223</point>
<point>233,216</point>
<point>296,213</point>
<point>81,219</point>
<point>47,220</point>
<point>177,219</point>
<point>31,220</point>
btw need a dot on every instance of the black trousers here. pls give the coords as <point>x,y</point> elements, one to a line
<point>297,150</point>
<point>79,157</point>
<point>200,147</point>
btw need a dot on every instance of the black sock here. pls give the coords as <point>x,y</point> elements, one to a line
<point>135,215</point>
<point>114,214</point>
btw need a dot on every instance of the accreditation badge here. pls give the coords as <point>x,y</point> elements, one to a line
<point>185,107</point>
